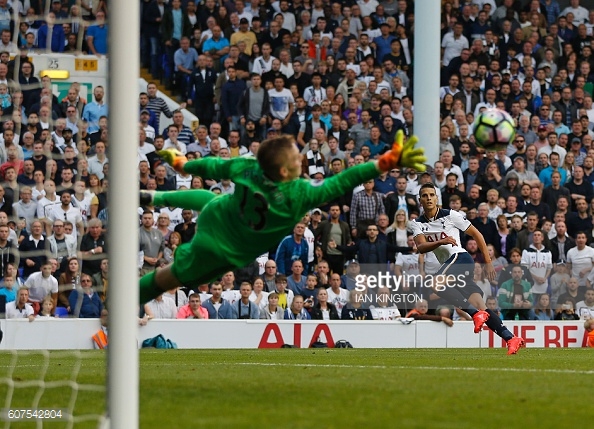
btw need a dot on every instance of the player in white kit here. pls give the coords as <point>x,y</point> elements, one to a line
<point>438,231</point>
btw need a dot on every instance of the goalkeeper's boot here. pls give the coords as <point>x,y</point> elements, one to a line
<point>146,198</point>
<point>480,318</point>
<point>514,344</point>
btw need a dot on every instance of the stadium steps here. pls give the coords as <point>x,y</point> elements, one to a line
<point>146,75</point>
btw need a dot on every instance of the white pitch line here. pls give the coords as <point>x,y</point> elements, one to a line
<point>421,368</point>
<point>396,367</point>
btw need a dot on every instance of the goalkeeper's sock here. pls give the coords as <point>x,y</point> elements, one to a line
<point>148,288</point>
<point>496,325</point>
<point>454,297</point>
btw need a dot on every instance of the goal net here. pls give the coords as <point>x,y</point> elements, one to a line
<point>43,387</point>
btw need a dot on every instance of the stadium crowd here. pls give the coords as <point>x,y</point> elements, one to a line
<point>339,77</point>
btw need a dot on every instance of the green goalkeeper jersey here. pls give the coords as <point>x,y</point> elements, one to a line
<point>261,212</point>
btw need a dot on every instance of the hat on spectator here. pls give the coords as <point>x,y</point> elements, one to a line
<point>576,140</point>
<point>315,211</point>
<point>145,111</point>
<point>352,67</point>
<point>506,71</point>
<point>244,21</point>
<point>542,128</point>
<point>352,261</point>
<point>512,175</point>
<point>67,130</point>
<point>271,130</point>
<point>545,64</point>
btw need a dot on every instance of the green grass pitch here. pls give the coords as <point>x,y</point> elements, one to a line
<point>332,388</point>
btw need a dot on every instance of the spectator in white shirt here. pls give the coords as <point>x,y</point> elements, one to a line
<point>19,309</point>
<point>162,307</point>
<point>42,284</point>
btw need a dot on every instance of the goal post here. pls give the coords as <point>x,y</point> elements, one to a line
<point>124,69</point>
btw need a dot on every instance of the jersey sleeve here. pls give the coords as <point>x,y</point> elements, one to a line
<point>316,192</point>
<point>525,259</point>
<point>549,261</point>
<point>416,228</point>
<point>459,220</point>
<point>399,260</point>
<point>216,168</point>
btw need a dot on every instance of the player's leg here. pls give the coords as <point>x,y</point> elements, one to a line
<point>191,200</point>
<point>495,324</point>
<point>155,283</point>
<point>446,283</point>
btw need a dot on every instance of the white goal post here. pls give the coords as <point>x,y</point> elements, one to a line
<point>124,69</point>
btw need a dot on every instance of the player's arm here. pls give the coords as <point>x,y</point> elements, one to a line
<point>422,265</point>
<point>402,154</point>
<point>212,167</point>
<point>482,245</point>
<point>425,246</point>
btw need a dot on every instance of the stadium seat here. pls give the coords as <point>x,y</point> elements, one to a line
<point>61,312</point>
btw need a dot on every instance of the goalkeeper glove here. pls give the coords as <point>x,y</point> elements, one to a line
<point>403,155</point>
<point>174,158</point>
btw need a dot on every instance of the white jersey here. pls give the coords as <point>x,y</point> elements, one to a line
<point>311,240</point>
<point>45,206</point>
<point>432,265</point>
<point>581,260</point>
<point>538,261</point>
<point>408,263</point>
<point>83,205</point>
<point>314,96</point>
<point>339,299</point>
<point>447,223</point>
<point>72,215</point>
<point>410,267</point>
<point>261,260</point>
<point>584,310</point>
<point>381,313</point>
<point>231,295</point>
<point>175,216</point>
<point>262,66</point>
<point>183,181</point>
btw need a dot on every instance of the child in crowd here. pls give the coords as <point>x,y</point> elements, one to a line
<point>7,288</point>
<point>5,98</point>
<point>309,292</point>
<point>455,202</point>
<point>47,308</point>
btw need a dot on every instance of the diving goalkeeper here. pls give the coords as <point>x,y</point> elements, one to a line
<point>269,200</point>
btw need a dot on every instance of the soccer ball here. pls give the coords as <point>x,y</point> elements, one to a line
<point>493,129</point>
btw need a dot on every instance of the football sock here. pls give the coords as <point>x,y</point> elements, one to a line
<point>148,288</point>
<point>454,297</point>
<point>191,200</point>
<point>496,325</point>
